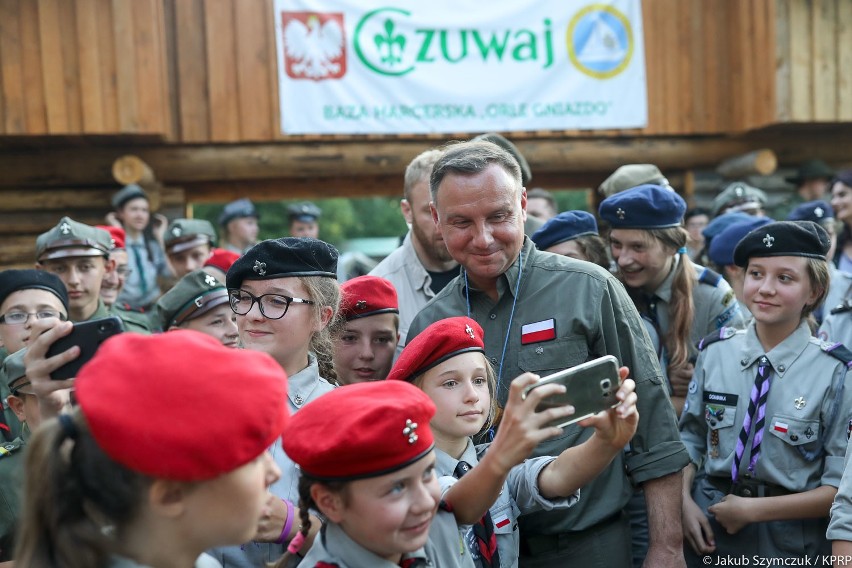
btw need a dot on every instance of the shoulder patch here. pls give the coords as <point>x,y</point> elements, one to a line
<point>723,333</point>
<point>8,448</point>
<point>710,277</point>
<point>728,297</point>
<point>838,351</point>
<point>846,306</point>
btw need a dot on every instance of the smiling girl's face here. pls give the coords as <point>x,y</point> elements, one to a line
<point>459,389</point>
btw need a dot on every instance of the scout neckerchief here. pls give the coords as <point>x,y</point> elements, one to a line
<point>756,412</point>
<point>511,314</point>
<point>483,529</point>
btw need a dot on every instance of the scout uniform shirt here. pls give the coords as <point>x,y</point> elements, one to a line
<point>303,387</point>
<point>11,491</point>
<point>569,312</point>
<point>803,418</point>
<point>520,495</point>
<point>712,297</point>
<point>132,322</point>
<point>333,548</point>
<point>204,561</point>
<point>840,527</point>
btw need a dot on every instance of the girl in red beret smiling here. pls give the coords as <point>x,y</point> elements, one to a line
<point>108,488</point>
<point>367,460</point>
<point>447,361</point>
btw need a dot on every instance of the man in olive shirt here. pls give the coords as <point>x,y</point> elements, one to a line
<point>543,312</point>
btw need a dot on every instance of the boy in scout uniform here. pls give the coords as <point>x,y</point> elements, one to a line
<point>304,219</point>
<point>198,301</point>
<point>238,221</point>
<point>31,302</point>
<point>79,255</point>
<point>26,406</point>
<point>364,348</point>
<point>767,415</point>
<point>189,243</point>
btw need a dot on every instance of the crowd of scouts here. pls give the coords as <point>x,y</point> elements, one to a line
<point>257,412</point>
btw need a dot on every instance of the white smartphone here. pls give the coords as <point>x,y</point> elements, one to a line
<point>590,388</point>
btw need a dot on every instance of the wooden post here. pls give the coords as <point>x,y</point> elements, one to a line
<point>759,162</point>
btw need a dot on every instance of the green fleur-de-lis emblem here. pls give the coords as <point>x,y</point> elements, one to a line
<point>390,46</point>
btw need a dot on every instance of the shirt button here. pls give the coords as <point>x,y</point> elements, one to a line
<point>781,368</point>
<point>493,316</point>
<point>744,362</point>
<point>494,360</point>
<point>794,438</point>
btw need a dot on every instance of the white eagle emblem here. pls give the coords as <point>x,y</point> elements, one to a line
<point>314,49</point>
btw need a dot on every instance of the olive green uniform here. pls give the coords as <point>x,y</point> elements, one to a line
<point>804,441</point>
<point>11,489</point>
<point>840,527</point>
<point>592,316</point>
<point>136,322</point>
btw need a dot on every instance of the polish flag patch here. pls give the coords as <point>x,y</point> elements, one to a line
<point>780,427</point>
<point>538,331</point>
<point>501,521</point>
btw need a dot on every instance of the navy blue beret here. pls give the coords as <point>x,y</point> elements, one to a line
<point>816,211</point>
<point>783,238</point>
<point>644,207</point>
<point>14,280</point>
<point>564,227</point>
<point>283,258</point>
<point>237,209</point>
<point>722,222</point>
<point>722,246</point>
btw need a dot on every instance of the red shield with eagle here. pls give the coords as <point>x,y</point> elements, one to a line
<point>314,45</point>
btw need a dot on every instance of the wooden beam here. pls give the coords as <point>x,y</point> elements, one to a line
<point>760,162</point>
<point>82,165</point>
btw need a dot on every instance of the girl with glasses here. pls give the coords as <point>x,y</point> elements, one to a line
<point>286,297</point>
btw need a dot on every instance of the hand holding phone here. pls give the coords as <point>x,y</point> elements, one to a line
<point>88,336</point>
<point>589,387</point>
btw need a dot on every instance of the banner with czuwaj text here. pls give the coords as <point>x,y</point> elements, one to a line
<point>400,66</point>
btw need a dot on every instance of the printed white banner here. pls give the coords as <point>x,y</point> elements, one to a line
<point>399,66</point>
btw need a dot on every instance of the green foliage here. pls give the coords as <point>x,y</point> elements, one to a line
<point>342,219</point>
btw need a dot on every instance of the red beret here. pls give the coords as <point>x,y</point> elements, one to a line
<point>367,296</point>
<point>224,406</point>
<point>222,259</point>
<point>443,339</point>
<point>117,233</point>
<point>361,430</point>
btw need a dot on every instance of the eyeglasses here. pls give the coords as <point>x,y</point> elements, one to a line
<point>18,318</point>
<point>123,270</point>
<point>272,306</point>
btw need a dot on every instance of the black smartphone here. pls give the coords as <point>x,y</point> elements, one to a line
<point>88,335</point>
<point>590,388</point>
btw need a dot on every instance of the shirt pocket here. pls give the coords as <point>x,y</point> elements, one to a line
<point>548,357</point>
<point>796,436</point>
<point>721,436</point>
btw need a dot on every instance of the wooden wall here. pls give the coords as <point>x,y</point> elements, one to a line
<point>814,52</point>
<point>83,67</point>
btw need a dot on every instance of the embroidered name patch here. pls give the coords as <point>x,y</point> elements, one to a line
<point>538,331</point>
<point>721,398</point>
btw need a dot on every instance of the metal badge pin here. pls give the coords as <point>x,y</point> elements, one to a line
<point>539,349</point>
<point>65,228</point>
<point>209,280</point>
<point>768,240</point>
<point>260,267</point>
<point>620,213</point>
<point>469,331</point>
<point>361,305</point>
<point>800,403</point>
<point>176,231</point>
<point>409,431</point>
<point>298,400</point>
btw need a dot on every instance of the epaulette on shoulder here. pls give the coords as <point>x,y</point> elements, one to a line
<point>844,307</point>
<point>838,351</point>
<point>721,334</point>
<point>125,307</point>
<point>8,448</point>
<point>710,277</point>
